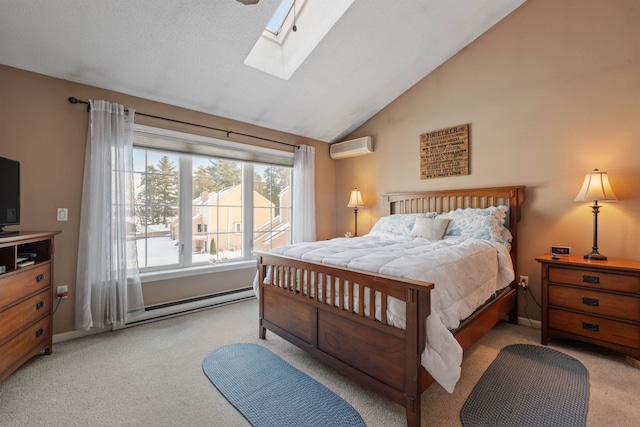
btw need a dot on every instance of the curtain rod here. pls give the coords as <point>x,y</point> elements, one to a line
<point>74,100</point>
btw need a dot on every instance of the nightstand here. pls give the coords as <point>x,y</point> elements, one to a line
<point>592,301</point>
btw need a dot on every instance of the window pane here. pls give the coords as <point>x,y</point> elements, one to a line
<point>279,16</point>
<point>272,206</point>
<point>156,208</point>
<point>263,241</point>
<point>217,210</point>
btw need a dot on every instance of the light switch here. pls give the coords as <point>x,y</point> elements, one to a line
<point>63,214</point>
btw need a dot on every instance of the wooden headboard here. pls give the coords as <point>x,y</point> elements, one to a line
<point>442,201</point>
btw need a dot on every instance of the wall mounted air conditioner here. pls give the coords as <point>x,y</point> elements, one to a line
<point>351,148</point>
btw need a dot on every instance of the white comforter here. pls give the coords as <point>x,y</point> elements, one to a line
<point>465,271</point>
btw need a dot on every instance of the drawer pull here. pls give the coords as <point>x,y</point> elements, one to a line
<point>591,279</point>
<point>39,332</point>
<point>590,327</point>
<point>39,277</point>
<point>591,301</point>
<point>39,305</point>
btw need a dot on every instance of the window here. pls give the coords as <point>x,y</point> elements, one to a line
<point>198,209</point>
<point>277,20</point>
<point>277,51</point>
<point>271,207</point>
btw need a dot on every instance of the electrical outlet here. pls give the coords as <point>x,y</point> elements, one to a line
<point>524,281</point>
<point>62,291</point>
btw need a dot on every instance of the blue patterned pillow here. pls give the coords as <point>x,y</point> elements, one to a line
<point>484,224</point>
<point>399,224</point>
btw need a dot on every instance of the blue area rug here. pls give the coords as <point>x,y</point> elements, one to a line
<point>529,385</point>
<point>270,392</point>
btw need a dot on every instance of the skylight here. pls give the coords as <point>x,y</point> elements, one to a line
<point>275,25</point>
<point>282,52</point>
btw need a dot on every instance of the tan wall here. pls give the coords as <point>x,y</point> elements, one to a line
<point>39,128</point>
<point>551,92</point>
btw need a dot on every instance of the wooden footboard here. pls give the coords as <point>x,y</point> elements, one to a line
<point>322,310</point>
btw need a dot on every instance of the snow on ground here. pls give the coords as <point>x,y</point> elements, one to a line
<point>164,251</point>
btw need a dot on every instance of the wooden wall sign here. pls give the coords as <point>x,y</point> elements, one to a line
<point>445,152</point>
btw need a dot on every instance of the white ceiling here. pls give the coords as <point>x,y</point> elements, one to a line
<point>190,53</point>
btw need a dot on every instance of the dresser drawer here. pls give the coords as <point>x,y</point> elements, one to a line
<point>28,311</point>
<point>28,343</point>
<point>621,333</point>
<point>18,285</point>
<point>595,279</point>
<point>594,302</point>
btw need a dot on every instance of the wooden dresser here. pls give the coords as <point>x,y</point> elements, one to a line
<point>26,297</point>
<point>593,301</point>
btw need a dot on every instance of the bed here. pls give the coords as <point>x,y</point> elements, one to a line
<point>348,317</point>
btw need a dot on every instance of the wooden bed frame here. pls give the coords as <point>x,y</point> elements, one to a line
<point>382,357</point>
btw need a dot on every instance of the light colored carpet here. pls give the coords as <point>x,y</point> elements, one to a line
<point>151,375</point>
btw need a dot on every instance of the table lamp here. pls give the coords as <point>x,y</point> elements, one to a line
<point>596,188</point>
<point>354,202</point>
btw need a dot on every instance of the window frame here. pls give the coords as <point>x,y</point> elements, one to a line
<point>193,145</point>
<point>282,13</point>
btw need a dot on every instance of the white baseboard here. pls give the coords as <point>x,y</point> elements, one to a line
<point>72,335</point>
<point>190,307</point>
<point>523,321</point>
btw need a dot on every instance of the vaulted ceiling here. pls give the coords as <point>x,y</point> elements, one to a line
<point>191,53</point>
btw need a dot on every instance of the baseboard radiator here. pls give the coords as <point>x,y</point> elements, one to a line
<point>186,306</point>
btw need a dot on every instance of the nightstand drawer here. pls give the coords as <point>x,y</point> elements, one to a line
<point>20,284</point>
<point>18,316</point>
<point>601,303</point>
<point>621,333</point>
<point>26,344</point>
<point>595,279</point>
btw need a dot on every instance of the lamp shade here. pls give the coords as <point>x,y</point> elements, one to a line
<point>356,199</point>
<point>596,187</point>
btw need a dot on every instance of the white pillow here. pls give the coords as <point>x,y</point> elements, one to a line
<point>506,235</point>
<point>398,223</point>
<point>430,228</point>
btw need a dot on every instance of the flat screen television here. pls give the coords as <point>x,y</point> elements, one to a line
<point>9,193</point>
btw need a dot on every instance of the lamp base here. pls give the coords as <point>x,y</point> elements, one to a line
<point>595,256</point>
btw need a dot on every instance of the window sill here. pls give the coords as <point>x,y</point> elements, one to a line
<point>154,276</point>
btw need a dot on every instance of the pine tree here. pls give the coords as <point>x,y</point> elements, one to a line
<point>216,176</point>
<point>275,179</point>
<point>167,191</point>
<point>158,195</point>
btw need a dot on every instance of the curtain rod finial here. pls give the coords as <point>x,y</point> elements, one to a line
<point>74,100</point>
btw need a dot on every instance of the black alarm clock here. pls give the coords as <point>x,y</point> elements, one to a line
<point>560,251</point>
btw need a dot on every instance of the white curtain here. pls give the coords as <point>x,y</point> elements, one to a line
<point>303,222</point>
<point>108,288</point>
